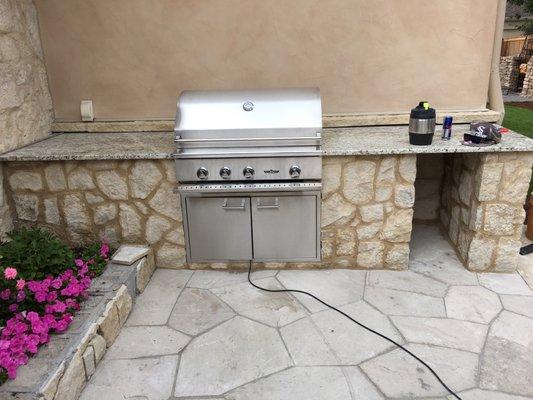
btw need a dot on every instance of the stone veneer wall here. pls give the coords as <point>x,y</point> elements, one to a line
<point>366,213</point>
<point>482,207</point>
<point>124,201</point>
<point>527,88</point>
<point>25,103</point>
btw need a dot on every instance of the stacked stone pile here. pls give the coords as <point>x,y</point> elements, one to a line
<point>509,70</point>
<point>527,88</point>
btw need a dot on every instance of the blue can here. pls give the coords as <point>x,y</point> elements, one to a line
<point>447,127</point>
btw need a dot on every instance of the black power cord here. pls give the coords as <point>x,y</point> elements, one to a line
<point>358,323</point>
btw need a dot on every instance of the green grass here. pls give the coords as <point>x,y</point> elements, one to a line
<point>519,120</point>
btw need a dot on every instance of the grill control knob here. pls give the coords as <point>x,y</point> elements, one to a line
<point>295,171</point>
<point>202,173</point>
<point>248,172</point>
<point>225,173</point>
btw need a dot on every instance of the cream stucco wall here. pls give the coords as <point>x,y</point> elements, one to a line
<point>132,57</point>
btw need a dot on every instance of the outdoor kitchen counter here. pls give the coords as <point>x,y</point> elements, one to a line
<point>369,140</point>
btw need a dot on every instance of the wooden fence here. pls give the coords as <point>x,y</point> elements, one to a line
<point>512,47</point>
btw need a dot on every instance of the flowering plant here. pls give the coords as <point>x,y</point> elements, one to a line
<point>32,309</point>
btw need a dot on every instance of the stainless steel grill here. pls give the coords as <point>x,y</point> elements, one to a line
<point>249,169</point>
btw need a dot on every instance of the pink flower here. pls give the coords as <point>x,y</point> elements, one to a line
<point>79,262</point>
<point>104,250</point>
<point>20,284</point>
<point>10,273</point>
<point>4,294</point>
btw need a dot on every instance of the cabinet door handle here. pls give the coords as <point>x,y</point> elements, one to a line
<point>264,206</point>
<point>241,206</point>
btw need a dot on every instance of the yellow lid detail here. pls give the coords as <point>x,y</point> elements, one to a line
<point>426,105</point>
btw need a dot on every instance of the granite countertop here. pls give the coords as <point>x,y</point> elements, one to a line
<point>368,140</point>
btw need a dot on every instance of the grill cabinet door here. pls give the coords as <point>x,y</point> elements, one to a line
<point>219,228</point>
<point>284,227</point>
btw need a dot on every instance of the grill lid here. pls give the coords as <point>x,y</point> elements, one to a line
<point>266,114</point>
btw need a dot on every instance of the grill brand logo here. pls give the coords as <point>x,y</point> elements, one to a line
<point>271,171</point>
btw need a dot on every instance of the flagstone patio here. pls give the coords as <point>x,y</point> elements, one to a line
<point>209,334</point>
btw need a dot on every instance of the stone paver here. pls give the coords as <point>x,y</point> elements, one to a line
<point>505,283</point>
<point>397,302</point>
<point>311,351</point>
<point>312,383</point>
<point>207,309</point>
<point>147,341</point>
<point>444,332</point>
<point>153,307</point>
<point>274,309</point>
<point>230,355</point>
<point>336,287</point>
<point>408,281</point>
<point>360,385</point>
<point>507,364</point>
<point>351,343</point>
<point>149,378</point>
<point>447,269</point>
<point>213,279</point>
<point>472,303</point>
<point>518,304</point>
<point>477,394</point>
<point>210,335</point>
<point>398,375</point>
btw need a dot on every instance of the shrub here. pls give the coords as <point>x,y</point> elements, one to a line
<point>35,253</point>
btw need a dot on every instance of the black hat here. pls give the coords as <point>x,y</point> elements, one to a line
<point>482,134</point>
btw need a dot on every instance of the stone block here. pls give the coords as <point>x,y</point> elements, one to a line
<point>372,212</point>
<point>386,170</point>
<point>166,202</point>
<point>123,303</point>
<point>170,256</point>
<point>346,242</point>
<point>404,196</point>
<point>331,176</point>
<point>144,178</point>
<point>156,227</point>
<point>51,211</point>
<point>81,179</point>
<point>480,253</point>
<point>335,208</point>
<point>500,219</point>
<point>109,323</point>
<point>507,255</point>
<point>130,222</point>
<point>93,198</point>
<point>370,254</point>
<point>369,231</point>
<point>55,177</point>
<point>407,167</point>
<point>397,257</point>
<point>77,218</point>
<point>128,254</point>
<point>105,213</point>
<point>358,181</point>
<point>145,269</point>
<point>398,226</point>
<point>26,206</point>
<point>89,362</point>
<point>488,181</point>
<point>73,380</point>
<point>112,185</point>
<point>26,180</point>
<point>98,345</point>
